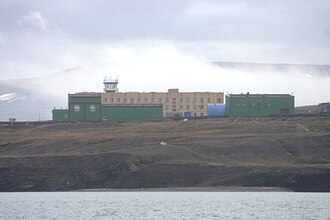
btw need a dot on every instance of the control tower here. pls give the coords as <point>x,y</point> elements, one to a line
<point>110,85</point>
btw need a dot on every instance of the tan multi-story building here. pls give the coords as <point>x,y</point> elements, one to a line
<point>174,103</point>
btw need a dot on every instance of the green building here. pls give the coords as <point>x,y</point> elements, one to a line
<point>60,114</point>
<point>132,112</point>
<point>87,107</point>
<point>259,105</point>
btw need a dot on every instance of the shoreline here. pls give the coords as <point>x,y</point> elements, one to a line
<point>192,189</point>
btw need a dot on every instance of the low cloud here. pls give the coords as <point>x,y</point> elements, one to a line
<point>158,65</point>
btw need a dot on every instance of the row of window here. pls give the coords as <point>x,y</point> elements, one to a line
<point>76,108</point>
<point>92,108</point>
<point>153,100</point>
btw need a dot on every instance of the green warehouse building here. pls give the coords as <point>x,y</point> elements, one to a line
<point>87,107</point>
<point>259,105</point>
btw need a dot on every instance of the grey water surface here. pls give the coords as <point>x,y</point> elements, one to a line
<point>164,205</point>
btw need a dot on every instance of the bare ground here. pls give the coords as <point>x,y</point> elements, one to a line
<point>293,153</point>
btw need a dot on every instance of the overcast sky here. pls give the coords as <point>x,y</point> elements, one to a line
<point>41,37</point>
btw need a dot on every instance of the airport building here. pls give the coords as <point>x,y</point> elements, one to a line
<point>117,106</point>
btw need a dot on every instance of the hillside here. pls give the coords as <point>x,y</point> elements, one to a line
<point>269,152</point>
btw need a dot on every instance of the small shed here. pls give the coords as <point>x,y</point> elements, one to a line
<point>60,114</point>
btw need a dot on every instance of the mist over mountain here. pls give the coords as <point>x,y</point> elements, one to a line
<point>316,70</point>
<point>34,98</point>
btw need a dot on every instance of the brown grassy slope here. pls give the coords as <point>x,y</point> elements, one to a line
<point>195,147</point>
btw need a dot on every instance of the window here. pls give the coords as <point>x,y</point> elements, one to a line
<point>219,100</point>
<point>139,100</point>
<point>111,100</point>
<point>195,100</point>
<point>166,107</point>
<point>188,107</point>
<point>153,100</point>
<point>201,100</point>
<point>195,107</point>
<point>76,108</point>
<point>167,100</point>
<point>105,100</point>
<point>125,99</point>
<point>92,108</point>
<point>187,100</point>
<point>195,114</point>
<point>160,100</point>
<point>174,109</point>
<point>202,114</point>
<point>118,100</point>
<point>201,107</point>
<point>209,100</point>
<point>145,99</point>
<point>132,100</point>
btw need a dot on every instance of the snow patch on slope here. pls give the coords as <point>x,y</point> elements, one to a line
<point>7,97</point>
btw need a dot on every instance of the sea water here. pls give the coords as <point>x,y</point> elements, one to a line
<point>164,205</point>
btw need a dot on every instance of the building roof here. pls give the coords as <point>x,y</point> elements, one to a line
<point>85,94</point>
<point>248,95</point>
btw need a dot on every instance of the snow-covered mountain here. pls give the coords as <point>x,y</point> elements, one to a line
<point>34,98</point>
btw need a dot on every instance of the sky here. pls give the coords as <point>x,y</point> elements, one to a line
<point>143,41</point>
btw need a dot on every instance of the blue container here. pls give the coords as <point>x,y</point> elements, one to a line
<point>216,110</point>
<point>187,115</point>
<point>326,109</point>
